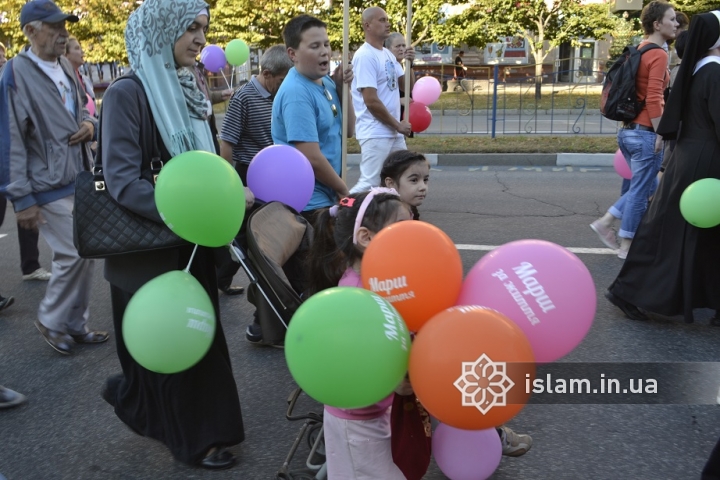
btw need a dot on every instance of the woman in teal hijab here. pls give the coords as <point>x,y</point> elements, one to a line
<point>154,113</point>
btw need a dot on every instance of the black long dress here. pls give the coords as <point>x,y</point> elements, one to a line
<point>199,408</point>
<point>672,266</point>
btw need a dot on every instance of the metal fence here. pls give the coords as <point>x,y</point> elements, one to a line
<point>500,100</point>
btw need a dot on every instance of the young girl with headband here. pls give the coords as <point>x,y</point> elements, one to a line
<point>408,173</point>
<point>357,441</point>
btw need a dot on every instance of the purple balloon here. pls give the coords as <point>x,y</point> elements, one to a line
<point>281,173</point>
<point>213,57</point>
<point>466,454</point>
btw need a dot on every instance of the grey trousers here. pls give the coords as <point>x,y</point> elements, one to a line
<point>66,305</point>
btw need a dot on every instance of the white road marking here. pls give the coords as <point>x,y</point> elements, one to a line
<point>592,251</point>
<point>3,235</point>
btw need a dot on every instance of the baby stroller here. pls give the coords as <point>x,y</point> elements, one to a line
<point>277,238</point>
<point>311,431</point>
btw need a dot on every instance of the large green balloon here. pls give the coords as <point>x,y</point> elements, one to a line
<point>169,323</point>
<point>237,52</point>
<point>700,203</point>
<point>201,198</point>
<point>347,347</point>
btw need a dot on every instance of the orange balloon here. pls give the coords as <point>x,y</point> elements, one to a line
<point>472,367</point>
<point>416,267</point>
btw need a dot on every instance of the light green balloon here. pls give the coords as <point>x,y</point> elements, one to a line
<point>201,198</point>
<point>169,323</point>
<point>237,52</point>
<point>347,347</point>
<point>700,203</point>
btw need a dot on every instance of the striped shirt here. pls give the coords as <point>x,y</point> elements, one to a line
<point>247,121</point>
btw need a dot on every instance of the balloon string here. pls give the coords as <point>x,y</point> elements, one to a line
<point>187,269</point>
<point>226,82</point>
<point>232,76</point>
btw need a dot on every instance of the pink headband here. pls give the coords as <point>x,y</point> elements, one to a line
<point>364,205</point>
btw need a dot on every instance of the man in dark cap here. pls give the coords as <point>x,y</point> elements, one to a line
<point>45,128</point>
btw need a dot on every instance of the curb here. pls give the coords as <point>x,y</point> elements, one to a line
<point>516,111</point>
<point>512,159</point>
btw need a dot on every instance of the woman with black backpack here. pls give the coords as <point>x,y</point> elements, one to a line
<point>673,266</point>
<point>638,142</point>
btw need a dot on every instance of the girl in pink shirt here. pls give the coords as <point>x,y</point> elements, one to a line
<point>357,441</point>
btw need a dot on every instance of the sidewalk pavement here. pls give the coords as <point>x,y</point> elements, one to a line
<point>512,159</point>
<point>501,159</point>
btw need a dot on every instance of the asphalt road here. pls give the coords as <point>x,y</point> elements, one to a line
<point>66,431</point>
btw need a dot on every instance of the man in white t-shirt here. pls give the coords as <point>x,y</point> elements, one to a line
<point>376,98</point>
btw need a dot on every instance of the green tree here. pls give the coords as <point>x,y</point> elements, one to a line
<point>259,24</point>
<point>427,18</point>
<point>11,35</point>
<point>536,21</point>
<point>625,32</point>
<point>692,7</point>
<point>101,29</point>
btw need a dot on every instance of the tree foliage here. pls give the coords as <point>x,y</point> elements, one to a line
<point>101,29</point>
<point>536,21</point>
<point>543,24</point>
<point>257,23</point>
<point>11,35</point>
<point>693,7</point>
<point>102,25</point>
<point>102,22</point>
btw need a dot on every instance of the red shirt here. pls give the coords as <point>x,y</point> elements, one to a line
<point>652,79</point>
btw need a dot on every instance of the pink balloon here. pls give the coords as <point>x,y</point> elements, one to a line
<point>213,57</point>
<point>466,454</point>
<point>281,173</point>
<point>621,165</point>
<point>426,90</point>
<point>542,287</point>
<point>90,105</point>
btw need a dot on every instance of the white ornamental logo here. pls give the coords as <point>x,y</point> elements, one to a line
<point>483,384</point>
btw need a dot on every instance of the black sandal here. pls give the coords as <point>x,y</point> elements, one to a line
<point>630,310</point>
<point>218,459</point>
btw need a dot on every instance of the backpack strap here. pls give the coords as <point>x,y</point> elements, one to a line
<point>648,47</point>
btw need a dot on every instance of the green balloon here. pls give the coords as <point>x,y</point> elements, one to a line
<point>169,323</point>
<point>201,198</point>
<point>237,52</point>
<point>700,203</point>
<point>347,347</point>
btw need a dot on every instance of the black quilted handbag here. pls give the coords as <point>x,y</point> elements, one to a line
<point>103,228</point>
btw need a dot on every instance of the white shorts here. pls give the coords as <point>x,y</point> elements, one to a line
<point>359,449</point>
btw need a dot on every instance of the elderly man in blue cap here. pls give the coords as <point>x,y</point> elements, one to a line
<point>45,128</point>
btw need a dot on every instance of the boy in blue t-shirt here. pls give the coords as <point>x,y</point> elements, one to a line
<point>307,113</point>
